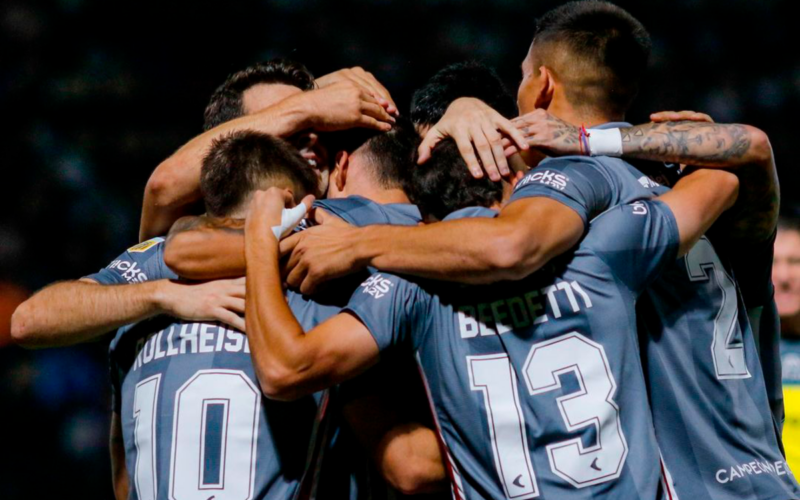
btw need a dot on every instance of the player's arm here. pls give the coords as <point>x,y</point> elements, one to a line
<point>119,471</point>
<point>71,312</point>
<point>288,362</point>
<point>174,186</point>
<point>526,235</point>
<point>406,453</point>
<point>742,149</point>
<point>205,248</point>
<point>697,200</point>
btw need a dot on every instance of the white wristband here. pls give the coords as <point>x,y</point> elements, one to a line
<point>605,142</point>
<point>290,217</point>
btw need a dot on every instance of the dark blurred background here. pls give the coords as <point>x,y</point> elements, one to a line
<point>94,94</point>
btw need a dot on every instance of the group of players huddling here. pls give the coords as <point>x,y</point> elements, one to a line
<point>485,301</point>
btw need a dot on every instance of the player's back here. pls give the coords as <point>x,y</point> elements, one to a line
<point>194,421</point>
<point>707,389</point>
<point>537,385</point>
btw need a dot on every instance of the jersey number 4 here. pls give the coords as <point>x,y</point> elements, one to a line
<point>206,460</point>
<point>727,347</point>
<point>591,406</point>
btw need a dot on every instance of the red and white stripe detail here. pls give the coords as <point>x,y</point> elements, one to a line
<point>666,480</point>
<point>456,485</point>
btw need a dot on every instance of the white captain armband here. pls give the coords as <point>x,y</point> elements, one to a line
<point>605,142</point>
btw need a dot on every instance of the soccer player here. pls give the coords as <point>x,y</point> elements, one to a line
<point>537,384</point>
<point>786,276</point>
<point>185,393</point>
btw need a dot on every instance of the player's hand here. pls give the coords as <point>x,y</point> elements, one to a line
<point>678,116</point>
<point>219,300</point>
<point>344,105</point>
<point>320,254</point>
<point>363,79</point>
<point>266,210</point>
<point>546,133</point>
<point>476,128</point>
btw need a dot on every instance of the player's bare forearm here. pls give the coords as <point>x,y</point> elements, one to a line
<point>469,251</point>
<point>206,248</point>
<point>119,471</point>
<point>72,312</point>
<point>743,149</point>
<point>696,143</point>
<point>276,338</point>
<point>175,183</point>
<point>524,237</point>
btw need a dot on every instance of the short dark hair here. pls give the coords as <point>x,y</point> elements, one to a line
<point>597,49</point>
<point>465,79</point>
<point>240,162</point>
<point>443,184</point>
<point>226,101</point>
<point>390,154</point>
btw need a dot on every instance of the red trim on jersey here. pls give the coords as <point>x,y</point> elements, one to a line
<point>451,473</point>
<point>664,478</point>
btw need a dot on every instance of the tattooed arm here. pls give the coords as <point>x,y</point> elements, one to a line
<point>206,248</point>
<point>743,149</point>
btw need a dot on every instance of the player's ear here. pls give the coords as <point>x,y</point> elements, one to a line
<point>339,174</point>
<point>547,85</point>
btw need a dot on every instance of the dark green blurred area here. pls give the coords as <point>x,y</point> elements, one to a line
<point>94,94</point>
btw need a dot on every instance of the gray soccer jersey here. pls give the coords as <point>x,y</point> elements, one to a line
<point>705,380</point>
<point>537,385</point>
<point>195,424</point>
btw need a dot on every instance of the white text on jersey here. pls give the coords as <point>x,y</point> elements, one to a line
<point>504,315</point>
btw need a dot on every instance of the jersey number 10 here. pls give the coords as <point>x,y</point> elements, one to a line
<point>212,452</point>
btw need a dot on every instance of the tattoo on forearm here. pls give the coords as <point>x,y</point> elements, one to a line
<point>687,142</point>
<point>563,131</point>
<point>709,144</point>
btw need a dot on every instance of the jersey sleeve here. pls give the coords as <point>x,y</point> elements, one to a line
<point>389,307</point>
<point>139,263</point>
<point>579,183</point>
<point>637,241</point>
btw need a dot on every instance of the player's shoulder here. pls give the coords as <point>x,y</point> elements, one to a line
<point>145,246</point>
<point>139,263</point>
<point>360,211</point>
<point>630,222</point>
<point>559,172</point>
<point>381,284</point>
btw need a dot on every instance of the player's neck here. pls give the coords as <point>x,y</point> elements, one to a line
<point>790,327</point>
<point>578,117</point>
<point>382,196</point>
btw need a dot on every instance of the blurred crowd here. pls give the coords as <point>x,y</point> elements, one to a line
<point>95,94</point>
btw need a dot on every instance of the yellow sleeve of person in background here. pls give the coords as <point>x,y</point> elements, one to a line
<point>791,426</point>
<point>790,361</point>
